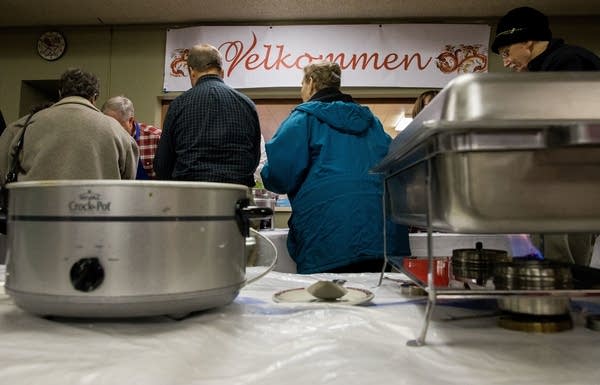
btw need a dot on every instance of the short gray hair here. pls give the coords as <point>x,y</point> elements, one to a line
<point>324,74</point>
<point>120,106</point>
<point>203,57</point>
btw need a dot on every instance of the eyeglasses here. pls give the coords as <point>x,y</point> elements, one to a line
<point>504,52</point>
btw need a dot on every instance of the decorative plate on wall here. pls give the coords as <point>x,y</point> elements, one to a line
<point>51,45</point>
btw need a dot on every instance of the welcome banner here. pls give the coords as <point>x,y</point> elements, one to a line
<point>387,55</point>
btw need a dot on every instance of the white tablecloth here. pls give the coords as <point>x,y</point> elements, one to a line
<point>257,341</point>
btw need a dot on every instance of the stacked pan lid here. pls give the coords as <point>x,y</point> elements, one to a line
<point>528,274</point>
<point>531,274</point>
<point>476,265</point>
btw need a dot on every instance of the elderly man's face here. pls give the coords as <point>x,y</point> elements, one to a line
<point>127,124</point>
<point>516,56</point>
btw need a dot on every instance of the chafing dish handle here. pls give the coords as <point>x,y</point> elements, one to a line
<point>578,134</point>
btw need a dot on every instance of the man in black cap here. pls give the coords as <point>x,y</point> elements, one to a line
<point>524,40</point>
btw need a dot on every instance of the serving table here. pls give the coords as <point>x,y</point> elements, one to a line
<point>257,341</point>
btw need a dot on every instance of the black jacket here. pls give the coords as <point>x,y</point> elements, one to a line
<point>564,57</point>
<point>332,94</point>
<point>2,123</point>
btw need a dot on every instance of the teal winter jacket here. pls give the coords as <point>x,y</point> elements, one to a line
<point>320,157</point>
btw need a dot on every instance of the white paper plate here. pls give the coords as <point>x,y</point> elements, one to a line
<point>355,296</point>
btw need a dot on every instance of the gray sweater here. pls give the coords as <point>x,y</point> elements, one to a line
<point>71,139</point>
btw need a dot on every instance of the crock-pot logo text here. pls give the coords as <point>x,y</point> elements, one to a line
<point>459,58</point>
<point>89,201</point>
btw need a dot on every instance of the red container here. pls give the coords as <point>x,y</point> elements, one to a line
<point>419,267</point>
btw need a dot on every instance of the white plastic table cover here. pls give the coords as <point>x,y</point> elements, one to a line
<point>257,341</point>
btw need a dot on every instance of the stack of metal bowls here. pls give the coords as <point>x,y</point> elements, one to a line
<point>534,313</point>
<point>476,265</point>
<point>527,274</point>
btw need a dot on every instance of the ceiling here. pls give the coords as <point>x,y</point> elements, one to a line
<point>27,13</point>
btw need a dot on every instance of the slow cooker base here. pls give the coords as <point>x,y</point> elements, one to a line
<point>173,305</point>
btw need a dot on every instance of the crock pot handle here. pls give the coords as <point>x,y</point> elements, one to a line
<point>244,212</point>
<point>3,209</point>
<point>3,219</point>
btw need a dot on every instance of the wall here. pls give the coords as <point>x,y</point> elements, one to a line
<point>129,60</point>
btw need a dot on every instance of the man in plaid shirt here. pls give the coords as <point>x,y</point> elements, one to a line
<point>211,132</point>
<point>146,137</point>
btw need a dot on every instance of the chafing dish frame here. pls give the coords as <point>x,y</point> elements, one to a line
<point>418,159</point>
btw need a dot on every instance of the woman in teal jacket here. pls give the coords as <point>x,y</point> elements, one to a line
<point>320,157</point>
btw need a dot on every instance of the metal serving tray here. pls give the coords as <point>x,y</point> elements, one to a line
<point>505,153</point>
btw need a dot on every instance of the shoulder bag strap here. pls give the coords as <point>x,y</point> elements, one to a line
<point>11,176</point>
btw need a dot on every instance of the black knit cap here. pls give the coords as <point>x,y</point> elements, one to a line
<point>519,25</point>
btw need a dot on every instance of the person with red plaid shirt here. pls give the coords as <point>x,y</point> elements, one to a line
<point>146,136</point>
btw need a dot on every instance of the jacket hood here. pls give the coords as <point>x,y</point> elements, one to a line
<point>347,117</point>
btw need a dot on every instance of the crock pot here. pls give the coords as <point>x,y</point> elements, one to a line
<point>111,248</point>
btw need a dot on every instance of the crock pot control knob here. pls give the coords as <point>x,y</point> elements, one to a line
<point>87,274</point>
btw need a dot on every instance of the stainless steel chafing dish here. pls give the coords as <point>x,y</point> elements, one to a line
<point>505,153</point>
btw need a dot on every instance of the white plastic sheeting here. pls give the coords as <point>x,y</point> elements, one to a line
<point>257,341</point>
<point>285,263</point>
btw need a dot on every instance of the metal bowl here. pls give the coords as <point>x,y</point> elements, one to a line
<point>527,274</point>
<point>532,275</point>
<point>476,264</point>
<point>535,305</point>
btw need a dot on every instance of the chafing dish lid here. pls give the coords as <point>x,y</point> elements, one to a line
<point>476,111</point>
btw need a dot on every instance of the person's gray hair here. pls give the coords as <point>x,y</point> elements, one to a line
<point>203,57</point>
<point>324,74</point>
<point>120,106</point>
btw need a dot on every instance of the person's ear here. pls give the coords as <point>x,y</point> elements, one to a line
<point>312,87</point>
<point>529,44</point>
<point>130,124</point>
<point>192,76</point>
